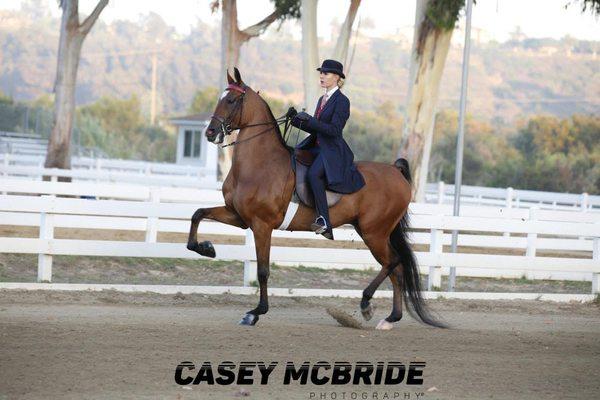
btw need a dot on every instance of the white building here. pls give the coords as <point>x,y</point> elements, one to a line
<point>192,146</point>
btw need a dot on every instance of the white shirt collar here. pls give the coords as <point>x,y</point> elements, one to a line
<point>331,91</point>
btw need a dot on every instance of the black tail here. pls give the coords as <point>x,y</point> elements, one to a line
<point>403,166</point>
<point>415,303</point>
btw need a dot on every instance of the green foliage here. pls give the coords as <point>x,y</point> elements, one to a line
<point>375,135</point>
<point>443,14</point>
<point>4,99</point>
<point>592,5</point>
<point>546,153</point>
<point>116,115</point>
<point>117,127</point>
<point>204,100</point>
<point>287,9</point>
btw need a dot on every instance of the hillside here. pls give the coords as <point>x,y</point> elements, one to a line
<point>507,80</point>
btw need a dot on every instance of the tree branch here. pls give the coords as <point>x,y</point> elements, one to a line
<point>258,28</point>
<point>86,26</point>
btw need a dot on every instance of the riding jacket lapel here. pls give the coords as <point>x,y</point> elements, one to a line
<point>329,101</point>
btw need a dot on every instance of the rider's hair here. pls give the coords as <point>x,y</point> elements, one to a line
<point>340,82</point>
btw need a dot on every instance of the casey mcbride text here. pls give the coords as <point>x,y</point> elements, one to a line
<point>319,373</point>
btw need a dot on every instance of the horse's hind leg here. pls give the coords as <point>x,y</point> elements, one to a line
<point>383,253</point>
<point>396,315</point>
<point>220,214</point>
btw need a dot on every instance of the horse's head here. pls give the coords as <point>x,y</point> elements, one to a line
<point>228,114</point>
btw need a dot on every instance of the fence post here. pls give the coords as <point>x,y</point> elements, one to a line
<point>152,222</point>
<point>434,279</point>
<point>6,164</point>
<point>46,233</point>
<point>584,201</point>
<point>509,197</point>
<point>596,257</point>
<point>441,192</point>
<point>532,237</point>
<point>249,266</point>
<point>509,203</point>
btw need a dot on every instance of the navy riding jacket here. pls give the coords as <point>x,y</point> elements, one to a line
<point>341,174</point>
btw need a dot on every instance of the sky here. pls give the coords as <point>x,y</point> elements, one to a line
<point>495,18</point>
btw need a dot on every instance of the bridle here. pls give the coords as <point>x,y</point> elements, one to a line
<point>227,122</point>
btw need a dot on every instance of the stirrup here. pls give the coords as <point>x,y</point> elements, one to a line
<point>317,228</point>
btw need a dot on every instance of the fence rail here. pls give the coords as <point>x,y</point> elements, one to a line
<point>442,193</point>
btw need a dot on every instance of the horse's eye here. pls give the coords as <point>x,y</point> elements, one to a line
<point>230,101</point>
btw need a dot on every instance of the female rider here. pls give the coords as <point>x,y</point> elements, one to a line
<point>333,168</point>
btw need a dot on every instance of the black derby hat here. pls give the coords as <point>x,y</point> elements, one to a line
<point>332,66</point>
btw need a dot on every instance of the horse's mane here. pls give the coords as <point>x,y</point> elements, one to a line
<point>279,135</point>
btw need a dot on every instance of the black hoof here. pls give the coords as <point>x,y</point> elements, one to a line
<point>249,320</point>
<point>205,249</point>
<point>367,312</point>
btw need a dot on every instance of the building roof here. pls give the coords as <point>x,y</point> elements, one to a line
<point>194,118</point>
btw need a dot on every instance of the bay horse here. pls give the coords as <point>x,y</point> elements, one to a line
<point>260,185</point>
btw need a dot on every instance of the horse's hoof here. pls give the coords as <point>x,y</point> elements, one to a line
<point>205,249</point>
<point>384,325</point>
<point>249,320</point>
<point>367,312</point>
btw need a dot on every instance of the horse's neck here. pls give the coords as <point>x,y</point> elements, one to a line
<point>264,152</point>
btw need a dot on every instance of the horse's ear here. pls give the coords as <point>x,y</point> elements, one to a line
<point>238,76</point>
<point>229,78</point>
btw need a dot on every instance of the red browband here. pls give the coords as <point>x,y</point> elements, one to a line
<point>237,88</point>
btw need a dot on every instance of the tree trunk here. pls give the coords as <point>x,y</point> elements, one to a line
<point>72,35</point>
<point>341,47</point>
<point>429,52</point>
<point>230,55</point>
<point>310,53</point>
<point>232,39</point>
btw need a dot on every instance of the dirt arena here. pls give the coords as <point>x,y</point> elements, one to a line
<point>109,345</point>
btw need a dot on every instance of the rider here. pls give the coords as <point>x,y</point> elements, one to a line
<point>333,167</point>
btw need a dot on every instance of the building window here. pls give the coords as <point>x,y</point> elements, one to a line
<point>187,144</point>
<point>191,143</point>
<point>197,141</point>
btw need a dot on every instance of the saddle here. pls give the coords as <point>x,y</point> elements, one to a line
<point>301,161</point>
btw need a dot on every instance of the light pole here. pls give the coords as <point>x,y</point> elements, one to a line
<point>461,136</point>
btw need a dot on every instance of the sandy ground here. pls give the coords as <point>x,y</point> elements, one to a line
<point>108,345</point>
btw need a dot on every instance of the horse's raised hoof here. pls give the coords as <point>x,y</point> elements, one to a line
<point>249,320</point>
<point>205,249</point>
<point>384,325</point>
<point>367,312</point>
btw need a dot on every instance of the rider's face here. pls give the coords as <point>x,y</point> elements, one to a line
<point>328,79</point>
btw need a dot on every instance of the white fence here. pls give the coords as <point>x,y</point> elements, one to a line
<point>112,170</point>
<point>441,193</point>
<point>175,175</point>
<point>490,230</point>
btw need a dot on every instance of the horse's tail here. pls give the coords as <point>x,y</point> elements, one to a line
<point>402,165</point>
<point>415,303</point>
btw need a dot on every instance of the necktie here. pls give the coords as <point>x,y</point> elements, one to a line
<point>325,97</point>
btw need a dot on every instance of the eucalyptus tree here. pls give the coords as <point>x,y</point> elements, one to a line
<point>72,34</point>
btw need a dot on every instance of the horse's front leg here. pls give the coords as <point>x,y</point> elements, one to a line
<point>221,214</point>
<point>262,239</point>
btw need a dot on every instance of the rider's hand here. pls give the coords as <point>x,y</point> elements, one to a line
<point>303,116</point>
<point>291,113</point>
